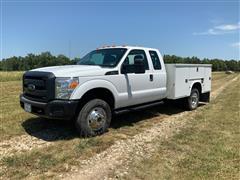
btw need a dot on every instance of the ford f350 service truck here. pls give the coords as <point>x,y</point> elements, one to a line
<point>108,80</point>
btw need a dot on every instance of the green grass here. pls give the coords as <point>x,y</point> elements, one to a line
<point>67,149</point>
<point>20,166</point>
<point>11,114</point>
<point>10,76</point>
<point>208,148</point>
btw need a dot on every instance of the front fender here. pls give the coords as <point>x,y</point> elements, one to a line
<point>92,84</point>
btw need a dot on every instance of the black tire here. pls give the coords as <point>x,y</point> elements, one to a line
<point>193,100</point>
<point>94,118</point>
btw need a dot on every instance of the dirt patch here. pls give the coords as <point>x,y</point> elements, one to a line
<point>38,139</point>
<point>20,144</point>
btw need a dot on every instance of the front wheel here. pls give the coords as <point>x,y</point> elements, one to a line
<point>94,118</point>
<point>193,100</point>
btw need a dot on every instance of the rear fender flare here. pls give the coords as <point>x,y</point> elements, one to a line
<point>192,84</point>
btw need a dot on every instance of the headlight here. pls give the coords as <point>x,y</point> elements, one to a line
<point>65,86</point>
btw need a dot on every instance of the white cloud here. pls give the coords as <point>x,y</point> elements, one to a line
<point>236,44</point>
<point>220,29</point>
<point>208,32</point>
<point>212,31</point>
<point>228,27</point>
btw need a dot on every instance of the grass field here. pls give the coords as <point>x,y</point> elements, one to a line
<point>10,76</point>
<point>56,147</point>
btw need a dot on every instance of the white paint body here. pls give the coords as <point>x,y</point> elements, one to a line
<point>181,77</point>
<point>133,89</point>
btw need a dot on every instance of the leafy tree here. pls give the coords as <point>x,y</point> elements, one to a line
<point>32,61</point>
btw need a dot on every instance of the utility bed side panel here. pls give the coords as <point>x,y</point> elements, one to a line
<point>181,85</point>
<point>207,79</point>
<point>181,77</point>
<point>195,72</point>
<point>170,82</point>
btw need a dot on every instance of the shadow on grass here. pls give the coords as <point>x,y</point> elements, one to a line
<point>49,129</point>
<point>54,130</point>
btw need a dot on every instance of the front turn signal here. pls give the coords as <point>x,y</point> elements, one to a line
<point>73,84</point>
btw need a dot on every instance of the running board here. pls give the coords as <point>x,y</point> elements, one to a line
<point>137,107</point>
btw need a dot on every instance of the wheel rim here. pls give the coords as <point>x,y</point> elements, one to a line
<point>194,99</point>
<point>97,118</point>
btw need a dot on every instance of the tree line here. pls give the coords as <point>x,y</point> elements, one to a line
<point>44,59</point>
<point>32,61</point>
<point>217,64</point>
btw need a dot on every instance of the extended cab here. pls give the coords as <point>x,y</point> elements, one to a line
<point>111,79</point>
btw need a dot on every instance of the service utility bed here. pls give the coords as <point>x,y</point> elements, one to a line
<point>181,77</point>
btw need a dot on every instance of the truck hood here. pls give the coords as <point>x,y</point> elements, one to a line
<point>75,70</point>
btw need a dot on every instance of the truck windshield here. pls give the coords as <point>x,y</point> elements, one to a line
<point>103,57</point>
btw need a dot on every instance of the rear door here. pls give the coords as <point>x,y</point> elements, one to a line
<point>158,75</point>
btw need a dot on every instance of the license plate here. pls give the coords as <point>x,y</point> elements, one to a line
<point>27,107</point>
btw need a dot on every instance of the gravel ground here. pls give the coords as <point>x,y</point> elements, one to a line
<point>23,143</point>
<point>20,144</point>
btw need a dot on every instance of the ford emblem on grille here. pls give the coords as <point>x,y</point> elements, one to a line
<point>31,87</point>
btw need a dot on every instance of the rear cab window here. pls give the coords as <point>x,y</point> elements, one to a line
<point>155,60</point>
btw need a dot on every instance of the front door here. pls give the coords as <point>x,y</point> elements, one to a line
<point>138,87</point>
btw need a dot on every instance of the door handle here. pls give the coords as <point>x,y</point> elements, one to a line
<point>151,77</point>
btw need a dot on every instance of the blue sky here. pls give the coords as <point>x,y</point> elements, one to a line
<point>184,28</point>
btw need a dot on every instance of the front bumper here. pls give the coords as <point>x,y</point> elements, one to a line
<point>55,109</point>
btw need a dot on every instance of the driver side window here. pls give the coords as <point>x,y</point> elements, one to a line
<point>132,54</point>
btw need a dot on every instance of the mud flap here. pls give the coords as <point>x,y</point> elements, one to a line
<point>205,97</point>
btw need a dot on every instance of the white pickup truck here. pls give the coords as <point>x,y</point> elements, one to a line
<point>111,79</point>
